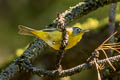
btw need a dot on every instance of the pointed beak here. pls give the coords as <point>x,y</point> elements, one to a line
<point>85,30</point>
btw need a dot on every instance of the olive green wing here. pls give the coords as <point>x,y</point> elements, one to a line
<point>54,36</point>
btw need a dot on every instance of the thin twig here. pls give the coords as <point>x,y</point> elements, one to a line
<point>97,68</point>
<point>113,46</point>
<point>107,39</point>
<point>112,43</point>
<point>108,60</point>
<point>115,49</point>
<point>109,46</point>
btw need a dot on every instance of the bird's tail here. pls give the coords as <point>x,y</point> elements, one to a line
<point>25,30</point>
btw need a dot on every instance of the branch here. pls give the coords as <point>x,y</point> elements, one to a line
<point>64,41</point>
<point>71,71</point>
<point>29,55</point>
<point>111,28</point>
<point>38,46</point>
<point>112,15</point>
<point>81,9</point>
<point>94,56</point>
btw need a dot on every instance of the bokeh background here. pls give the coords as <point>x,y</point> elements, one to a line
<point>39,13</point>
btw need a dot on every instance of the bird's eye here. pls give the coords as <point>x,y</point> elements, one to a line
<point>76,30</point>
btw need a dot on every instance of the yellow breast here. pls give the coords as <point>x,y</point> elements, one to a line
<point>54,38</point>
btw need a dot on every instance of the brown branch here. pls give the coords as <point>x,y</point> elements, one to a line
<point>103,47</point>
<point>106,41</point>
<point>108,60</point>
<point>97,67</point>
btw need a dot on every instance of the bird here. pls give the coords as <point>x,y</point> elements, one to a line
<point>53,37</point>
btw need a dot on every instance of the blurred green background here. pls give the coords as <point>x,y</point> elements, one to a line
<point>37,14</point>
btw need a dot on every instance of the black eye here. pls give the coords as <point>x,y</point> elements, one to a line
<point>76,30</point>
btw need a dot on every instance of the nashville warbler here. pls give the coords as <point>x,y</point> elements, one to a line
<point>53,37</point>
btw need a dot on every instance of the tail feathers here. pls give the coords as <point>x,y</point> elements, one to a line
<point>25,30</point>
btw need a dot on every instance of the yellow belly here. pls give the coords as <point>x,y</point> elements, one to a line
<point>72,41</point>
<point>54,38</point>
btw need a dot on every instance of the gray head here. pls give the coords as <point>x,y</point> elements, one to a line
<point>77,30</point>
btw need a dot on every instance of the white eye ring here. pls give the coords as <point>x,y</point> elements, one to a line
<point>76,30</point>
<point>53,42</point>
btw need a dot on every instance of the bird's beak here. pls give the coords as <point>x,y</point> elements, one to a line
<point>85,30</point>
